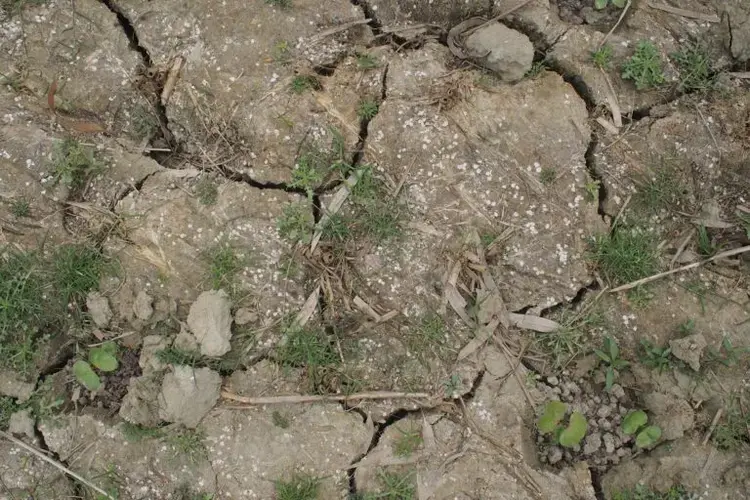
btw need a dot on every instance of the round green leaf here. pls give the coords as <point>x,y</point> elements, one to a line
<point>575,431</point>
<point>102,359</point>
<point>648,436</point>
<point>86,376</point>
<point>553,413</point>
<point>619,3</point>
<point>634,421</point>
<point>109,347</point>
<point>600,4</point>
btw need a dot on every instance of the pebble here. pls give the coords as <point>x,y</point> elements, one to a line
<point>554,455</point>
<point>604,411</point>
<point>618,392</point>
<point>592,444</point>
<point>609,443</point>
<point>553,380</point>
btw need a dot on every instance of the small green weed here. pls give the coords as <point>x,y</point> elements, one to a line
<point>20,208</point>
<point>601,4</point>
<point>645,66</point>
<point>303,83</point>
<point>284,4</point>
<point>745,222</point>
<point>592,190</point>
<point>73,164</point>
<point>656,357</point>
<point>394,486</point>
<point>187,443</point>
<point>407,443</point>
<point>635,424</point>
<point>225,263</point>
<point>281,52</point>
<point>610,356</point>
<point>337,229</point>
<point>624,255</point>
<point>547,176</point>
<point>659,190</point>
<point>377,214</point>
<point>430,333</point>
<point>102,358</point>
<point>279,420</point>
<point>185,492</point>
<point>134,433</point>
<point>143,122</point>
<point>731,431</point>
<point>8,406</point>
<point>367,109</point>
<point>207,191</point>
<point>642,492</point>
<point>367,61</point>
<point>296,223</point>
<point>308,173</point>
<point>563,344</point>
<point>695,69</point>
<point>536,70</point>
<point>706,246</point>
<point>298,487</point>
<point>310,349</point>
<point>452,386</point>
<point>76,270</point>
<point>687,327</point>
<point>639,297</point>
<point>727,354</point>
<point>602,57</point>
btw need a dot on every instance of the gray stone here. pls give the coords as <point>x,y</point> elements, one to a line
<point>148,360</point>
<point>185,341</point>
<point>21,424</point>
<point>143,307</point>
<point>507,52</point>
<point>617,391</point>
<point>592,444</point>
<point>140,405</point>
<point>552,380</point>
<point>210,320</point>
<point>187,395</point>
<point>98,308</point>
<point>604,411</point>
<point>609,443</point>
<point>675,416</point>
<point>11,386</point>
<point>554,455</point>
<point>244,316</point>
<point>689,349</point>
<point>736,14</point>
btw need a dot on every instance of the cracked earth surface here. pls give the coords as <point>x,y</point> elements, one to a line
<point>195,113</point>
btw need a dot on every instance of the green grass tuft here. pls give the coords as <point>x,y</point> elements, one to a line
<point>134,433</point>
<point>206,191</point>
<point>20,208</point>
<point>298,487</point>
<point>547,176</point>
<point>367,61</point>
<point>188,444</point>
<point>695,69</point>
<point>536,70</point>
<point>602,57</point>
<point>625,255</point>
<point>645,66</point>
<point>224,266</point>
<point>642,492</point>
<point>304,83</point>
<point>367,109</point>
<point>296,223</point>
<point>407,442</point>
<point>74,164</point>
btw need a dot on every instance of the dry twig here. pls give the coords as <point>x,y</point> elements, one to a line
<point>333,398</point>
<point>710,18</point>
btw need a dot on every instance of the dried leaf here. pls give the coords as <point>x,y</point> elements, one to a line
<point>535,323</point>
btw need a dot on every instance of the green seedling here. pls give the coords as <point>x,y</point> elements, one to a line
<point>706,246</point>
<point>547,176</point>
<point>727,354</point>
<point>452,386</point>
<point>303,83</point>
<point>645,66</point>
<point>298,487</point>
<point>625,255</point>
<point>601,4</point>
<point>207,191</point>
<point>536,70</point>
<point>103,358</point>
<point>73,163</point>
<point>656,357</point>
<point>610,356</point>
<point>695,69</point>
<point>602,57</point>
<point>407,443</point>
<point>551,423</point>
<point>296,223</point>
<point>592,190</point>
<point>643,492</point>
<point>368,109</point>
<point>634,424</point>
<point>367,61</point>
<point>20,208</point>
<point>687,327</point>
<point>745,222</point>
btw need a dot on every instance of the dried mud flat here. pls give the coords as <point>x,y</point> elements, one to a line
<point>289,249</point>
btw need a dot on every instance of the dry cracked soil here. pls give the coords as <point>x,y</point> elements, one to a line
<point>295,250</point>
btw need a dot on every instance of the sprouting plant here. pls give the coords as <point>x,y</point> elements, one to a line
<point>367,109</point>
<point>187,443</point>
<point>206,191</point>
<point>366,61</point>
<point>602,57</point>
<point>407,443</point>
<point>298,487</point>
<point>547,176</point>
<point>745,221</point>
<point>634,424</point>
<point>625,254</point>
<point>656,357</point>
<point>307,173</point>
<point>592,190</point>
<point>279,420</point>
<point>452,386</point>
<point>601,4</point>
<point>536,70</point>
<point>551,422</point>
<point>296,223</point>
<point>706,246</point>
<point>73,163</point>
<point>644,67</point>
<point>610,356</point>
<point>695,69</point>
<point>303,83</point>
<point>103,358</point>
<point>727,354</point>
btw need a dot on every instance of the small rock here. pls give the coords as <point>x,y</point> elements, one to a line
<point>505,51</point>
<point>604,411</point>
<point>573,388</point>
<point>622,452</point>
<point>143,307</point>
<point>21,424</point>
<point>675,416</point>
<point>689,349</point>
<point>11,385</point>
<point>597,400</point>
<point>623,411</point>
<point>244,316</point>
<point>592,444</point>
<point>607,425</point>
<point>556,390</point>
<point>614,459</point>
<point>148,360</point>
<point>554,455</point>
<point>553,380</point>
<point>609,443</point>
<point>210,320</point>
<point>98,308</point>
<point>188,394</point>
<point>185,341</point>
<point>140,406</point>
